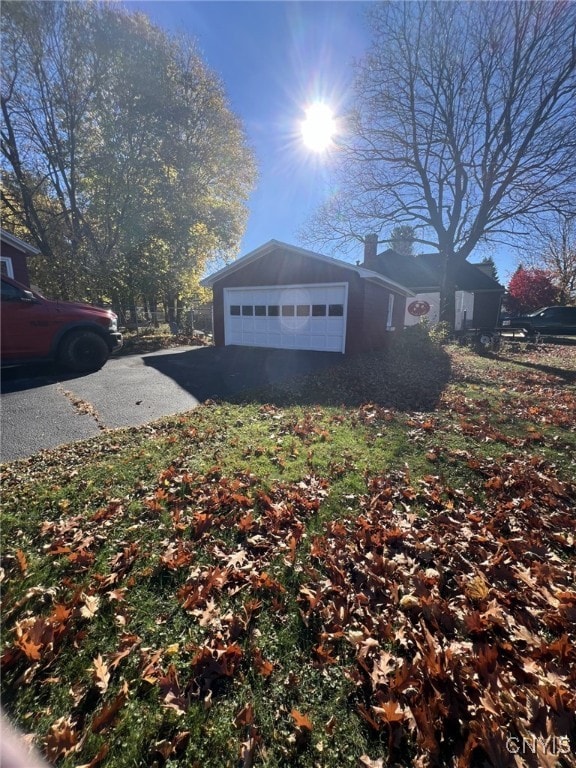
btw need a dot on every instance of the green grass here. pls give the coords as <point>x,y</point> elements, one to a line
<point>239,569</point>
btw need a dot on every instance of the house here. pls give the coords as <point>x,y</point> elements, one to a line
<point>286,297</point>
<point>13,257</point>
<point>478,294</point>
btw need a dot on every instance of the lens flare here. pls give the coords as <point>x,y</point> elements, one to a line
<point>319,127</point>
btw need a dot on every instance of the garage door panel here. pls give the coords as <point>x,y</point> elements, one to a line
<point>287,317</point>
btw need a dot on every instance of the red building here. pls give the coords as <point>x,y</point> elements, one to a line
<point>286,297</point>
<point>13,256</point>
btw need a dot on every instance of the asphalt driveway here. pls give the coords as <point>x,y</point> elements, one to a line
<point>43,408</point>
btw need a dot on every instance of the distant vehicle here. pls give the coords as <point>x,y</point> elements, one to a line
<point>548,320</point>
<point>80,337</point>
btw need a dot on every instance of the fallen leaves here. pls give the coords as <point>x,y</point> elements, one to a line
<point>302,722</point>
<point>90,606</point>
<point>62,739</point>
<point>474,592</point>
<point>110,710</point>
<point>444,610</point>
<point>101,674</point>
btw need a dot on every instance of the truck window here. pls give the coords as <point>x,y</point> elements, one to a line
<point>10,292</point>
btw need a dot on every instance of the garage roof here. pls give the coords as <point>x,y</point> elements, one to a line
<point>272,245</point>
<point>17,243</point>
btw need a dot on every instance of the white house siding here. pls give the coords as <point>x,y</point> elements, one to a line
<point>426,306</point>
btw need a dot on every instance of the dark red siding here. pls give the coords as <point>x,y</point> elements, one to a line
<point>376,303</point>
<point>19,264</point>
<point>365,328</point>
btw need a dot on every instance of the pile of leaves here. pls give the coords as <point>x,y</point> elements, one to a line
<point>462,618</point>
<point>268,597</point>
<point>410,374</point>
<point>145,341</point>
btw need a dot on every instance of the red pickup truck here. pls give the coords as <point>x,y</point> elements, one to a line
<point>80,337</point>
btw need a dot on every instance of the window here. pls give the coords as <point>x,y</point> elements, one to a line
<point>10,292</point>
<point>287,310</point>
<point>303,310</point>
<point>247,310</point>
<point>6,266</point>
<point>389,319</point>
<point>335,310</point>
<point>235,309</point>
<point>260,310</point>
<point>273,310</point>
<point>318,310</point>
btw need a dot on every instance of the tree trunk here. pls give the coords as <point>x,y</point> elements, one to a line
<point>448,291</point>
<point>170,301</point>
<point>179,312</point>
<point>153,306</point>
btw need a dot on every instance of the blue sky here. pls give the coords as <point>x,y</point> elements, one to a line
<point>275,59</point>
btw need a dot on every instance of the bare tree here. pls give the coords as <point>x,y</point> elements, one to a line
<point>464,127</point>
<point>555,252</point>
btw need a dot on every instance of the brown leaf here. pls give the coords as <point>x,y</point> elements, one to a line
<point>331,725</point>
<point>101,674</point>
<point>22,562</point>
<point>245,716</point>
<point>367,715</point>
<point>60,614</point>
<point>31,649</point>
<point>98,757</point>
<point>323,655</point>
<point>109,711</point>
<point>476,588</point>
<point>90,607</point>
<point>33,636</point>
<point>61,740</point>
<point>261,665</point>
<point>301,721</point>
<point>390,712</point>
<point>127,645</point>
<point>116,594</point>
<point>170,689</point>
<point>366,762</point>
<point>247,748</point>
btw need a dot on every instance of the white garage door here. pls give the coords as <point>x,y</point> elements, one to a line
<point>287,317</point>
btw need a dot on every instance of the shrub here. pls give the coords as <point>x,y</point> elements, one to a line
<point>414,340</point>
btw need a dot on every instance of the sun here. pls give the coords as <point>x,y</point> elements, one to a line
<point>319,127</point>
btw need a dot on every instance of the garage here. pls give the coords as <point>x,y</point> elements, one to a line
<point>281,296</point>
<point>288,317</point>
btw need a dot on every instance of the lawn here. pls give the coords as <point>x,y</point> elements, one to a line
<point>371,566</point>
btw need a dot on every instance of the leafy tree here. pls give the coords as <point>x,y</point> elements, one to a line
<point>402,240</point>
<point>530,289</point>
<point>120,154</point>
<point>489,262</point>
<point>555,251</point>
<point>464,126</point>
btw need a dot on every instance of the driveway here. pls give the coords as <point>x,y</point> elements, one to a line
<point>42,408</point>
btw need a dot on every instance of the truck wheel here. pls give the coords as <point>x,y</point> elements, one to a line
<point>83,351</point>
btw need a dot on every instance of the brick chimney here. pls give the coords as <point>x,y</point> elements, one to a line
<point>370,250</point>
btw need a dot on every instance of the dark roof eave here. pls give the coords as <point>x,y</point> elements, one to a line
<point>392,285</point>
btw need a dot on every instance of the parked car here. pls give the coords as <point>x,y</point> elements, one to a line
<point>78,336</point>
<point>548,320</point>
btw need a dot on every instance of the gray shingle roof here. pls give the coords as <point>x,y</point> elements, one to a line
<point>424,272</point>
